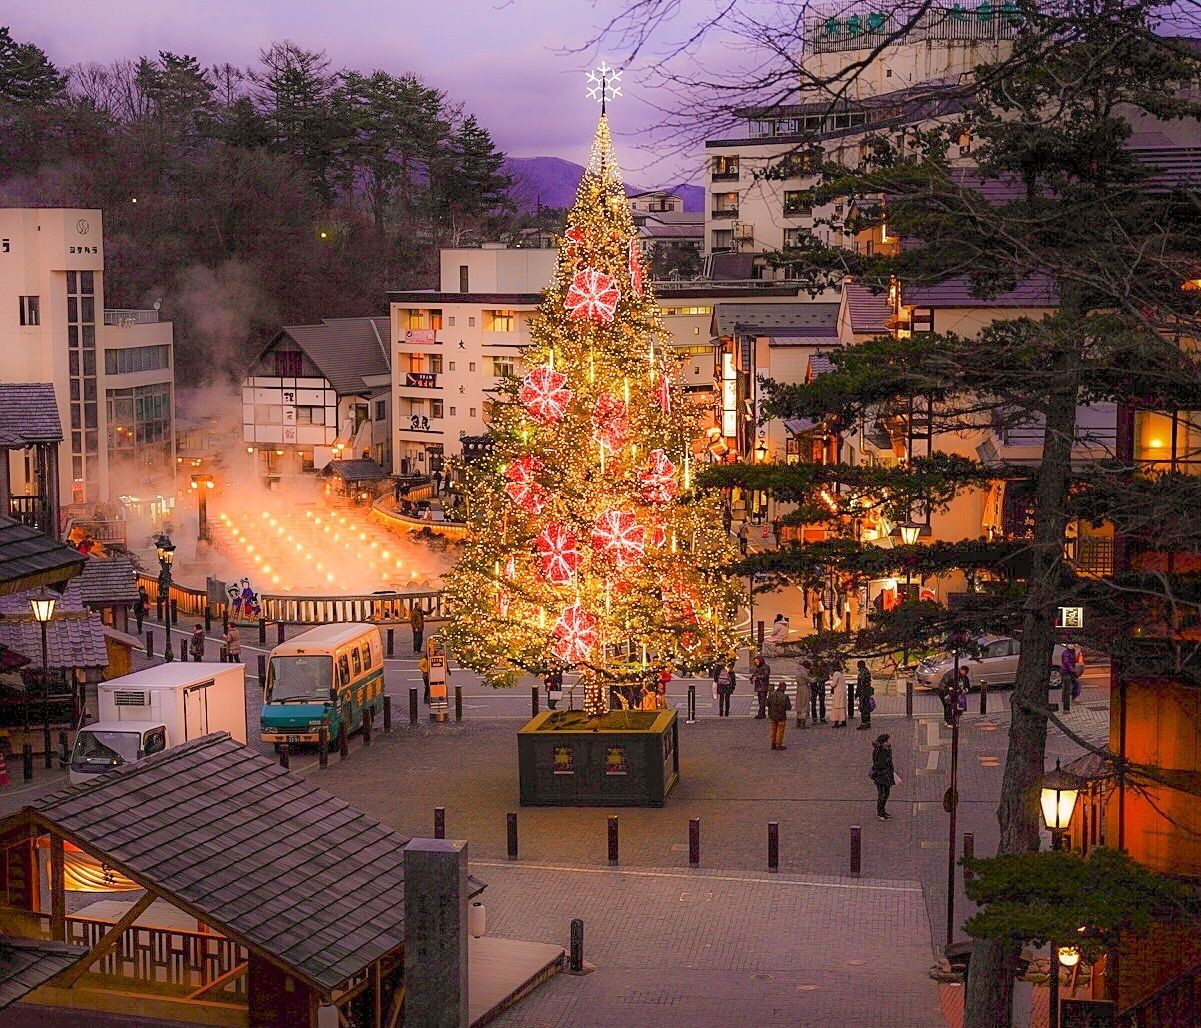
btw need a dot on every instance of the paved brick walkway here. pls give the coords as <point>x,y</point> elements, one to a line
<point>716,949</point>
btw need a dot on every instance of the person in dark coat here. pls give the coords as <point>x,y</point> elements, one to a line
<point>196,643</point>
<point>778,706</point>
<point>140,606</point>
<point>417,623</point>
<point>817,694</point>
<point>865,691</point>
<point>761,682</point>
<point>725,679</point>
<point>882,774</point>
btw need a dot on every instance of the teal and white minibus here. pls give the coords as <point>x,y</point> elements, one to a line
<point>328,676</point>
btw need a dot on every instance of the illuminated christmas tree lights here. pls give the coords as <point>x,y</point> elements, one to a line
<point>588,549</point>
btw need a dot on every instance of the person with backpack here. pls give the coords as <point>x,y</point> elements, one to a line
<point>196,643</point>
<point>761,682</point>
<point>882,774</point>
<point>725,679</point>
<point>778,706</point>
<point>866,693</point>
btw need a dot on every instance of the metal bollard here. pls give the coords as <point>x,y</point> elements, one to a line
<point>262,631</point>
<point>576,959</point>
<point>368,718</point>
<point>285,759</point>
<point>458,703</point>
<point>391,641</point>
<point>183,653</point>
<point>856,850</point>
<point>262,669</point>
<point>969,853</point>
<point>909,698</point>
<point>612,840</point>
<point>208,619</point>
<point>64,755</point>
<point>343,741</point>
<point>694,842</point>
<point>279,633</point>
<point>511,834</point>
<point>983,697</point>
<point>773,846</point>
<point>149,644</point>
<point>439,822</point>
<point>533,701</point>
<point>412,704</point>
<point>387,714</point>
<point>27,762</point>
<point>691,705</point>
<point>323,746</point>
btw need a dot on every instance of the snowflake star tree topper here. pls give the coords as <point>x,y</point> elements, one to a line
<point>604,84</point>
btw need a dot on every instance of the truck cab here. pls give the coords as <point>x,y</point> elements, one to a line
<point>104,745</point>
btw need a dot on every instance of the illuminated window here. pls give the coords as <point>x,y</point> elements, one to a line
<point>499,321</point>
<point>415,319</point>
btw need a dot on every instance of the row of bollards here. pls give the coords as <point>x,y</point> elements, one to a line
<point>323,740</point>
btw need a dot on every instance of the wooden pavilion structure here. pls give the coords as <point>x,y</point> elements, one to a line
<point>293,899</point>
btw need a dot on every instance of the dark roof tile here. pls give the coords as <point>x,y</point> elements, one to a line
<point>28,414</point>
<point>29,559</point>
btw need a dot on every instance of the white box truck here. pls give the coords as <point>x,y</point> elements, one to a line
<point>153,710</point>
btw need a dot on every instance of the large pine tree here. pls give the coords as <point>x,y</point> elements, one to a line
<point>588,549</point>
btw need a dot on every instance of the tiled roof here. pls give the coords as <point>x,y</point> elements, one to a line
<point>29,559</point>
<point>819,364</point>
<point>28,414</point>
<point>776,319</point>
<point>358,470</point>
<point>72,640</point>
<point>345,349</point>
<point>107,581</point>
<point>26,964</point>
<point>867,310</point>
<point>657,231</point>
<point>1036,291</point>
<point>68,601</point>
<point>266,858</point>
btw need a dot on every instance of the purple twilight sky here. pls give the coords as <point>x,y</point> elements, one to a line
<point>502,59</point>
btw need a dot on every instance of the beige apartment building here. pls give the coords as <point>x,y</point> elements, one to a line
<point>111,370</point>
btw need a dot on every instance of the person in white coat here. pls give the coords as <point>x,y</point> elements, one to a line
<point>838,698</point>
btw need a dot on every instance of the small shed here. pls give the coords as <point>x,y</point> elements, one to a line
<point>297,897</point>
<point>355,479</point>
<point>109,585</point>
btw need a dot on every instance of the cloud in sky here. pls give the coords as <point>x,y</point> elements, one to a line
<point>502,59</point>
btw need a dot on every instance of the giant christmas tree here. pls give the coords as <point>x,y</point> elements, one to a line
<point>588,550</point>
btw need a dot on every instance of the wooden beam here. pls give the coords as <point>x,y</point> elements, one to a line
<point>58,897</point>
<point>220,982</point>
<point>376,975</point>
<point>398,1002</point>
<point>69,977</point>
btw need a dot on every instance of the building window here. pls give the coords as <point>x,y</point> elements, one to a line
<point>435,408</point>
<point>135,359</point>
<point>452,412</point>
<point>471,322</point>
<point>30,310</point>
<point>452,365</point>
<point>289,363</point>
<point>416,362</point>
<point>794,237</point>
<point>499,321</point>
<point>725,205</point>
<point>723,238</point>
<point>415,319</point>
<point>464,278</point>
<point>471,412</point>
<point>435,319</point>
<point>796,204</point>
<point>380,409</point>
<point>725,167</point>
<point>502,367</point>
<point>451,321</point>
<point>436,363</point>
<point>471,366</point>
<point>306,415</point>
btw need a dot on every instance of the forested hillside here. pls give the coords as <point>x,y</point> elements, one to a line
<point>244,198</point>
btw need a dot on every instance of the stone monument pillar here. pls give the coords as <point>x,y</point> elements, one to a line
<point>435,931</point>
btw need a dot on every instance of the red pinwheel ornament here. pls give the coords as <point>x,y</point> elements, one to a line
<point>575,635</point>
<point>617,536</point>
<point>592,296</point>
<point>544,395</point>
<point>524,488</point>
<point>657,483</point>
<point>663,392</point>
<point>656,535</point>
<point>610,422</point>
<point>558,558</point>
<point>635,262</point>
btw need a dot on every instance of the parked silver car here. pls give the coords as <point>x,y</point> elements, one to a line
<point>995,662</point>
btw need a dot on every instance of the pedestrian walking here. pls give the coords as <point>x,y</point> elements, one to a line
<point>744,535</point>
<point>196,643</point>
<point>725,678</point>
<point>819,609</point>
<point>838,698</point>
<point>140,606</point>
<point>417,621</point>
<point>1068,679</point>
<point>761,683</point>
<point>554,689</point>
<point>883,775</point>
<point>233,644</point>
<point>778,706</point>
<point>438,482</point>
<point>817,694</point>
<point>866,693</point>
<point>423,665</point>
<point>777,528</point>
<point>804,692</point>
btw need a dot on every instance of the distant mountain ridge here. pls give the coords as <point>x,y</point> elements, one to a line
<point>553,182</point>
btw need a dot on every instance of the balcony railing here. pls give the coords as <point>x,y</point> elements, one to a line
<point>124,316</point>
<point>798,210</point>
<point>725,176</point>
<point>30,511</point>
<point>725,212</point>
<point>1176,1003</point>
<point>840,29</point>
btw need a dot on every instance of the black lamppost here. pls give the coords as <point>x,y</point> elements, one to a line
<point>165,549</point>
<point>42,605</point>
<point>1057,797</point>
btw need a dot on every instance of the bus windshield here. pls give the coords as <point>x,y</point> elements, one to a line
<point>300,679</point>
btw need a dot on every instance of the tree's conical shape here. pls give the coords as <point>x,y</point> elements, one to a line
<point>588,550</point>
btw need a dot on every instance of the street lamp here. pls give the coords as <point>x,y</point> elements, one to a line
<point>42,604</point>
<point>1058,801</point>
<point>202,484</point>
<point>165,549</point>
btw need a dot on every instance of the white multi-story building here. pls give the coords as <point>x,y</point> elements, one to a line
<point>112,370</point>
